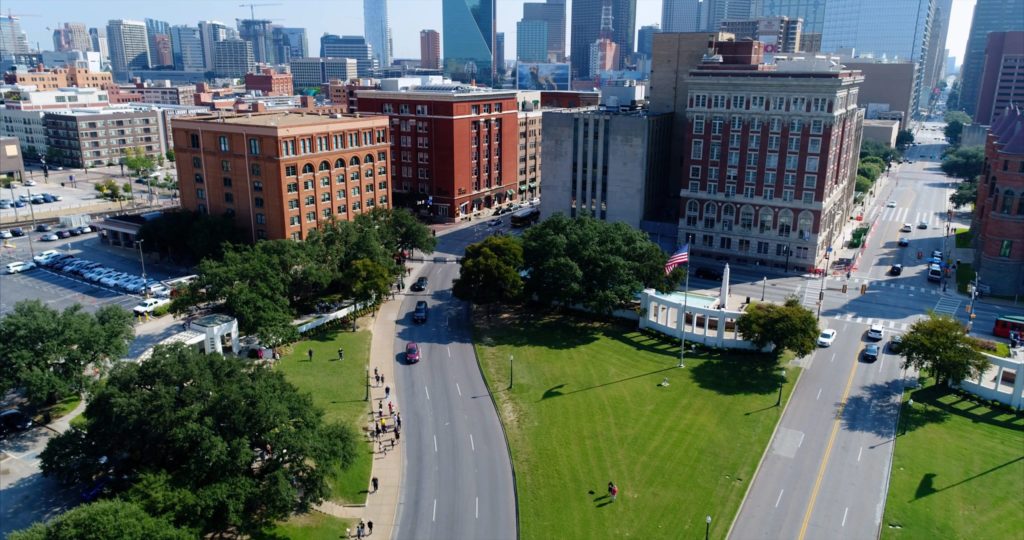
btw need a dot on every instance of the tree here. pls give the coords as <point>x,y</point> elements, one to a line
<point>369,281</point>
<point>170,155</point>
<point>952,131</point>
<point>862,185</point>
<point>136,159</point>
<point>210,443</point>
<point>904,138</point>
<point>46,352</point>
<point>940,345</point>
<point>100,520</point>
<point>876,161</point>
<point>879,150</point>
<point>965,163</point>
<point>108,189</point>
<point>957,116</point>
<point>490,271</point>
<point>869,171</point>
<point>789,326</point>
<point>398,230</point>
<point>966,193</point>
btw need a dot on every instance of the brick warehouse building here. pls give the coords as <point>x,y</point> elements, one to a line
<point>999,211</point>
<point>281,174</point>
<point>770,157</point>
<point>454,147</point>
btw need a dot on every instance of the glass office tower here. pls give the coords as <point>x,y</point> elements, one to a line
<point>469,40</point>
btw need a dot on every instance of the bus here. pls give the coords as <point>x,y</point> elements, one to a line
<point>525,217</point>
<point>1004,325</point>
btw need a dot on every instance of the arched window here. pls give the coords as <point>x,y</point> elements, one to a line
<point>785,222</point>
<point>1007,201</point>
<point>728,217</point>
<point>340,163</point>
<point>307,168</point>
<point>368,158</point>
<point>354,160</point>
<point>692,208</point>
<point>747,217</point>
<point>765,219</point>
<point>325,166</point>
<point>710,210</point>
<point>804,225</point>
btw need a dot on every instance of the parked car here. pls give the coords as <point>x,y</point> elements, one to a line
<point>420,314</point>
<point>19,266</point>
<point>19,204</point>
<point>64,234</point>
<point>496,222</point>
<point>149,304</point>
<point>871,352</point>
<point>420,285</point>
<point>43,227</point>
<point>412,352</point>
<point>47,198</point>
<point>75,231</point>
<point>18,231</point>
<point>827,337</point>
<point>45,257</point>
<point>895,343</point>
<point>86,229</point>
<point>29,183</point>
<point>49,237</point>
<point>5,234</point>
<point>12,421</point>
<point>895,269</point>
<point>708,273</point>
<point>875,332</point>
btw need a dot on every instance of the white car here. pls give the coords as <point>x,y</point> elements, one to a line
<point>5,234</point>
<point>149,304</point>
<point>15,267</point>
<point>45,256</point>
<point>906,227</point>
<point>875,332</point>
<point>827,337</point>
<point>891,204</point>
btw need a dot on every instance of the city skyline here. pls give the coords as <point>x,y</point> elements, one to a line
<point>310,14</point>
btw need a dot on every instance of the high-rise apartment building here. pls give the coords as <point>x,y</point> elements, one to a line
<point>681,16</point>
<point>531,137</point>
<point>129,46</point>
<point>282,175</point>
<point>499,55</point>
<point>233,58</point>
<point>97,136</point>
<point>377,30</point>
<point>259,32</point>
<point>586,29</point>
<point>72,37</point>
<point>936,58</point>
<point>645,39</point>
<point>999,236</point>
<point>12,39</point>
<point>187,48</point>
<point>1002,76</point>
<point>155,29</point>
<point>989,16</point>
<point>315,72</point>
<point>778,34</point>
<point>23,117</point>
<point>532,41</point>
<point>295,40</point>
<point>332,46</point>
<point>469,40</point>
<point>716,11</point>
<point>770,160</point>
<point>454,147</point>
<point>211,32</point>
<point>552,13</point>
<point>430,49</point>
<point>98,37</point>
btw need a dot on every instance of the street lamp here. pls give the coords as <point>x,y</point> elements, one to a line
<point>764,284</point>
<point>138,244</point>
<point>707,526</point>
<point>821,293</point>
<point>510,359</point>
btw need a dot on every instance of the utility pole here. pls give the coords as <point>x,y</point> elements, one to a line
<point>824,271</point>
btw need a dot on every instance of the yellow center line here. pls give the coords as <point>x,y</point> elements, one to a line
<point>828,452</point>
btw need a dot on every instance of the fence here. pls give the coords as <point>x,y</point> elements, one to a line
<point>328,317</point>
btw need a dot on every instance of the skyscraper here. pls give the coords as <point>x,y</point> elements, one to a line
<point>72,37</point>
<point>332,46</point>
<point>233,58</point>
<point>156,28</point>
<point>532,41</point>
<point>586,29</point>
<point>716,11</point>
<point>499,52</point>
<point>377,30</point>
<point>552,13</point>
<point>681,16</point>
<point>1001,83</point>
<point>430,49</point>
<point>645,39</point>
<point>295,40</point>
<point>469,40</point>
<point>936,55</point>
<point>98,37</point>
<point>259,33</point>
<point>129,46</point>
<point>811,11</point>
<point>12,39</point>
<point>187,48</point>
<point>989,16</point>
<point>211,32</point>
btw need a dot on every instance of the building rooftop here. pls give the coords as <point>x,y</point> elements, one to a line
<point>278,119</point>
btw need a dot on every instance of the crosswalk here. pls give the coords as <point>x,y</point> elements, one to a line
<point>874,283</point>
<point>903,215</point>
<point>886,323</point>
<point>947,305</point>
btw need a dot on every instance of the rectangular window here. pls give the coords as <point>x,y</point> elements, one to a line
<point>193,139</point>
<point>222,141</point>
<point>227,181</point>
<point>698,124</point>
<point>787,195</point>
<point>817,127</point>
<point>261,219</point>
<point>1005,248</point>
<point>700,101</point>
<point>769,194</point>
<point>762,248</point>
<point>775,125</point>
<point>310,200</point>
<point>812,163</point>
<point>713,173</point>
<point>712,188</point>
<point>293,204</point>
<point>772,162</point>
<point>197,163</point>
<point>736,123</point>
<point>791,161</point>
<point>695,171</point>
<point>738,102</point>
<point>751,159</point>
<point>808,197</point>
<point>796,124</point>
<point>798,104</point>
<point>756,125</point>
<point>773,142</point>
<point>716,125</point>
<point>254,169</point>
<point>697,149</point>
<point>734,158</point>
<point>789,179</point>
<point>770,177</point>
<point>694,187</point>
<point>716,151</point>
<point>310,217</point>
<point>814,145</point>
<point>291,170</point>
<point>257,202</point>
<point>718,101</point>
<point>819,105</point>
<point>225,165</point>
<point>757,102</point>
<point>403,108</point>
<point>254,146</point>
<point>200,194</point>
<point>778,103</point>
<point>257,186</point>
<point>734,140</point>
<point>754,143</point>
<point>294,221</point>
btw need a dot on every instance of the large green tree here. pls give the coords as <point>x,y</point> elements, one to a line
<point>490,271</point>
<point>879,150</point>
<point>871,171</point>
<point>137,161</point>
<point>398,229</point>
<point>966,193</point>
<point>789,326</point>
<point>103,520</point>
<point>210,443</point>
<point>599,265</point>
<point>46,352</point>
<point>904,138</point>
<point>956,116</point>
<point>965,163</point>
<point>940,345</point>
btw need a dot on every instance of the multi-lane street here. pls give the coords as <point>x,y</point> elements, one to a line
<point>457,476</point>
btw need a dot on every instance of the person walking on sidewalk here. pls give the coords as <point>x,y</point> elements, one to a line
<point>387,392</point>
<point>391,408</point>
<point>376,377</point>
<point>380,407</point>
<point>376,484</point>
<point>398,419</point>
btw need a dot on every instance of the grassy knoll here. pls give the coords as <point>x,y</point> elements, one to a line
<point>958,470</point>
<point>310,526</point>
<point>586,408</point>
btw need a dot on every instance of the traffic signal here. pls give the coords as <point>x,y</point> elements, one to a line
<point>968,308</point>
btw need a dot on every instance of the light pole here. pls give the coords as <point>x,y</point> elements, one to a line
<point>142,260</point>
<point>970,308</point>
<point>821,293</point>
<point>764,285</point>
<point>707,526</point>
<point>510,373</point>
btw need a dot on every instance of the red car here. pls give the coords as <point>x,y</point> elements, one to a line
<point>412,352</point>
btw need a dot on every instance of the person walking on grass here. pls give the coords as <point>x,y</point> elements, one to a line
<point>615,492</point>
<point>310,354</point>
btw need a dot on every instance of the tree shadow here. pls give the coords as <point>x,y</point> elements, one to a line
<point>533,328</point>
<point>940,401</point>
<point>874,410</point>
<point>737,373</point>
<point>555,391</point>
<point>926,486</point>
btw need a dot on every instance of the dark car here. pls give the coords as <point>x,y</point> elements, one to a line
<point>420,314</point>
<point>903,242</point>
<point>64,234</point>
<point>871,353</point>
<point>896,343</point>
<point>896,270</point>
<point>42,227</point>
<point>13,421</point>
<point>412,352</point>
<point>420,285</point>
<point>708,273</point>
<point>18,231</point>
<point>76,231</point>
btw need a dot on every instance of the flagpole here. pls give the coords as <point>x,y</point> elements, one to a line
<point>682,337</point>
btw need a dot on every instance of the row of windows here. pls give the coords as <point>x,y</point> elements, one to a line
<point>403,108</point>
<point>756,124</point>
<point>753,147</point>
<point>755,103</point>
<point>745,246</point>
<point>326,213</point>
<point>306,145</point>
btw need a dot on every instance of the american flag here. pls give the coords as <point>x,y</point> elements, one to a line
<point>680,257</point>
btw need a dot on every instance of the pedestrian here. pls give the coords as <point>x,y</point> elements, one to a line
<point>615,492</point>
<point>398,435</point>
<point>381,449</point>
<point>375,485</point>
<point>348,532</point>
<point>382,378</point>
<point>376,377</point>
<point>359,531</point>
<point>392,444</point>
<point>341,353</point>
<point>376,430</point>
<point>380,407</point>
<point>398,419</point>
<point>383,425</point>
<point>369,526</point>
<point>391,409</point>
<point>387,392</point>
<point>310,353</point>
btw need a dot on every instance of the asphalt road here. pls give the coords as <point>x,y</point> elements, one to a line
<point>457,480</point>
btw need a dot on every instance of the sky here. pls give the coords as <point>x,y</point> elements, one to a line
<point>407,17</point>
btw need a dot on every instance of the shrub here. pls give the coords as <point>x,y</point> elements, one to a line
<point>160,311</point>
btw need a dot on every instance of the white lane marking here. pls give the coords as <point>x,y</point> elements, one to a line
<point>471,444</point>
<point>435,443</point>
<point>433,516</point>
<point>425,389</point>
<point>881,362</point>
<point>478,507</point>
<point>799,444</point>
<point>459,389</point>
<point>860,452</point>
<point>779,498</point>
<point>833,357</point>
<point>819,395</point>
<point>449,351</point>
<point>844,515</point>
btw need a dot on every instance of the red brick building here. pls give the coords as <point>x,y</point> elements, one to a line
<point>454,147</point>
<point>282,174</point>
<point>770,158</point>
<point>999,212</point>
<point>270,82</point>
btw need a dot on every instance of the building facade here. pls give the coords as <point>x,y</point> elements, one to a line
<point>56,78</point>
<point>999,212</point>
<point>154,30</point>
<point>532,41</point>
<point>586,29</point>
<point>23,117</point>
<point>552,13</point>
<point>377,30</point>
<point>1002,76</point>
<point>129,47</point>
<point>356,47</point>
<point>98,136</point>
<point>187,48</point>
<point>531,137</point>
<point>681,16</point>
<point>989,16</point>
<point>162,92</point>
<point>259,33</point>
<point>888,89</point>
<point>210,32</point>
<point>98,36</point>
<point>454,147</point>
<point>295,40</point>
<point>769,162</point>
<point>778,34</point>
<point>282,175</point>
<point>469,40</point>
<point>233,58</point>
<point>12,39</point>
<point>430,49</point>
<point>269,82</point>
<point>72,37</point>
<point>645,39</point>
<point>315,72</point>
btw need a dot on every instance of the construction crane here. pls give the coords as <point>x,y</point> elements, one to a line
<point>252,8</point>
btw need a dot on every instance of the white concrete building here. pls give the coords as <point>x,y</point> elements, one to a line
<point>23,117</point>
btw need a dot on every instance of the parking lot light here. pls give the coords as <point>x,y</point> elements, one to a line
<point>138,243</point>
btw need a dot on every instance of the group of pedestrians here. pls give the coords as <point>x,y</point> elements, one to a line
<point>365,528</point>
<point>380,426</point>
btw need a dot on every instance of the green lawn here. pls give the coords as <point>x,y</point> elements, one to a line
<point>310,526</point>
<point>338,388</point>
<point>587,408</point>
<point>963,238</point>
<point>958,471</point>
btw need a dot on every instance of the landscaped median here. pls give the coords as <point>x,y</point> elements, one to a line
<point>958,469</point>
<point>588,406</point>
